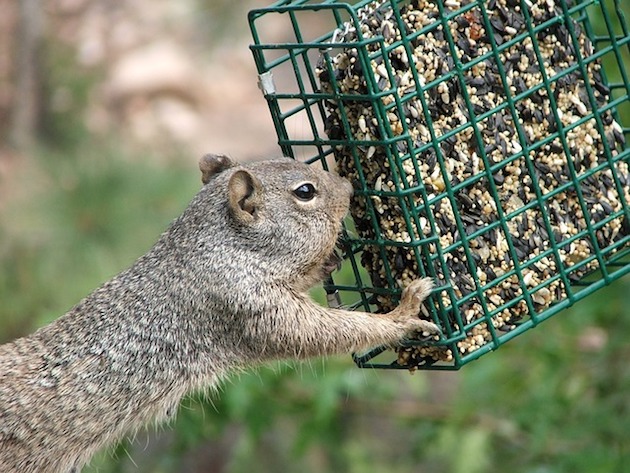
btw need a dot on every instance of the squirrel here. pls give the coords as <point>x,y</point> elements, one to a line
<point>224,288</point>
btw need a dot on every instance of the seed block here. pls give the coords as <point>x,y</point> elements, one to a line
<point>505,183</point>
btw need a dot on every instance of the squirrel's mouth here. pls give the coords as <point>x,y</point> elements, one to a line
<point>332,263</point>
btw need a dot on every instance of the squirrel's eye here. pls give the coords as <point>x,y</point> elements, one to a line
<point>305,191</point>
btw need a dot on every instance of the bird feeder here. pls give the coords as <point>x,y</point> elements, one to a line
<point>487,144</point>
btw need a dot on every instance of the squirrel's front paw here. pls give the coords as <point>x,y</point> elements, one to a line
<point>414,295</point>
<point>407,311</point>
<point>416,327</point>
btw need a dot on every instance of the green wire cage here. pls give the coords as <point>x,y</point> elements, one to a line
<point>486,142</point>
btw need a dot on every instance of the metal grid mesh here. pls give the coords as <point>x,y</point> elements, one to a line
<point>318,119</point>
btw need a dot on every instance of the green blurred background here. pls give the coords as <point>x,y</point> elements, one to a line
<point>79,205</point>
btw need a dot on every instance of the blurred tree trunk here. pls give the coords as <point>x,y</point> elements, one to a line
<point>20,70</point>
<point>8,22</point>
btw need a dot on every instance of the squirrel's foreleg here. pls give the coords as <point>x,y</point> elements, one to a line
<point>317,331</point>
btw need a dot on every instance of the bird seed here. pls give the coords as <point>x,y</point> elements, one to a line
<point>481,156</point>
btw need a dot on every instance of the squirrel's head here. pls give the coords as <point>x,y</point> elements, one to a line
<point>287,211</point>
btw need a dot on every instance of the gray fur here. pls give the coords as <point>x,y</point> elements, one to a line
<point>216,293</point>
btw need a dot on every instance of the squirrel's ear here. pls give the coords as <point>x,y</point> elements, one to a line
<point>212,164</point>
<point>244,191</point>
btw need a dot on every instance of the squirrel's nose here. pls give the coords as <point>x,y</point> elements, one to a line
<point>348,185</point>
